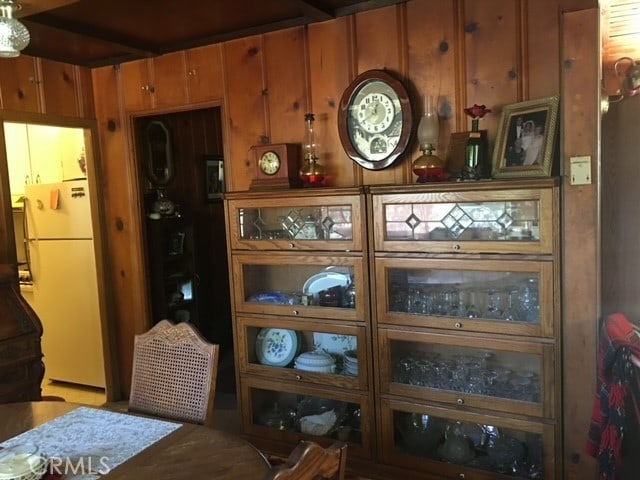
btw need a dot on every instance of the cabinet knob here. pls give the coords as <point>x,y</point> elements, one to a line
<point>149,88</point>
<point>457,325</point>
<point>193,72</point>
<point>460,401</point>
<point>456,247</point>
<point>298,377</point>
<point>292,245</point>
<point>461,476</point>
<point>295,312</point>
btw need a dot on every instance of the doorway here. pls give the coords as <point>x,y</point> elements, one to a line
<point>57,227</point>
<point>185,239</point>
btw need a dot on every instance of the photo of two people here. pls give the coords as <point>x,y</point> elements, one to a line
<point>526,140</point>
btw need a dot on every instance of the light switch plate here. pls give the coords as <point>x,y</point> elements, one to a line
<point>580,170</point>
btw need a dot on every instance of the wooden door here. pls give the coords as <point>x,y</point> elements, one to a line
<point>137,85</point>
<point>19,84</point>
<point>204,73</point>
<point>170,80</point>
<point>60,89</point>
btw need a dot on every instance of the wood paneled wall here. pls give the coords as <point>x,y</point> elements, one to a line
<point>492,52</point>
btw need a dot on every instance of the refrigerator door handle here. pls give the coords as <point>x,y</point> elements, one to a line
<point>25,238</point>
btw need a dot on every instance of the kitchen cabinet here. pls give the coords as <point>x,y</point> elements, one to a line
<point>42,154</point>
<point>466,318</point>
<point>301,317</point>
<point>173,80</point>
<point>31,84</point>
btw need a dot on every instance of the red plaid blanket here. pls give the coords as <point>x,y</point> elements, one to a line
<point>618,341</point>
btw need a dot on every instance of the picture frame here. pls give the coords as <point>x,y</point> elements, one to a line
<point>214,176</point>
<point>526,139</point>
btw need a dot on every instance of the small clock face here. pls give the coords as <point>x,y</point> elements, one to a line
<point>375,119</point>
<point>269,163</point>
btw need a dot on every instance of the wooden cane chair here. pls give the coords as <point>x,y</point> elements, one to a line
<point>310,461</point>
<point>174,373</point>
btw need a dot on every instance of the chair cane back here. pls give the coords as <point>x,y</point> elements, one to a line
<point>174,373</point>
<point>310,461</point>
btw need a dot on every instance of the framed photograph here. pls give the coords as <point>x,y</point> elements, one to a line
<point>526,139</point>
<point>214,175</point>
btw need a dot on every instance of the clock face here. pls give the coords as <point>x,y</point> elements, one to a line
<point>375,119</point>
<point>269,163</point>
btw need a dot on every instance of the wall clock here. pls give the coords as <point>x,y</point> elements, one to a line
<point>276,166</point>
<point>375,119</point>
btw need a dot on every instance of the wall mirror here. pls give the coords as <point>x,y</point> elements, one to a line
<point>159,155</point>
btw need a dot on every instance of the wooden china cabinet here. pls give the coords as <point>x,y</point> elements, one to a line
<point>466,328</point>
<point>301,317</point>
<point>438,307</point>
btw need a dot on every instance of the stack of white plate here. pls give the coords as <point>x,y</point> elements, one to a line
<point>316,361</point>
<point>350,363</point>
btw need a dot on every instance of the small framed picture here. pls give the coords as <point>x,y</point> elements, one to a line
<point>214,175</point>
<point>526,139</point>
<point>176,243</point>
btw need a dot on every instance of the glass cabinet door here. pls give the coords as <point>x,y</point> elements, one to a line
<point>296,223</point>
<point>304,352</point>
<point>509,221</point>
<point>494,374</point>
<point>491,296</point>
<point>296,285</point>
<point>460,444</point>
<point>281,412</point>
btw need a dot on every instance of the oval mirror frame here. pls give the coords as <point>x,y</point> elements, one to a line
<point>159,159</point>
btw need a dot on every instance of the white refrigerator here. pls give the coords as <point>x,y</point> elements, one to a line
<point>62,261</point>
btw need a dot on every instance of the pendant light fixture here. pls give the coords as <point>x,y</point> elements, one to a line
<point>14,36</point>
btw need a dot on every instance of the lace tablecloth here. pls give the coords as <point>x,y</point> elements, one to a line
<point>87,442</point>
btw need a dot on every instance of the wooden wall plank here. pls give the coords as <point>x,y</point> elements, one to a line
<point>330,49</point>
<point>541,47</point>
<point>380,45</point>
<point>491,52</point>
<point>285,65</point>
<point>580,115</point>
<point>122,221</point>
<point>432,50</point>
<point>246,115</point>
<point>59,88</point>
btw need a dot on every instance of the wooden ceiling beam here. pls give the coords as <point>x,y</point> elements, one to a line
<point>366,5</point>
<point>315,11</point>
<point>32,7</point>
<point>90,33</point>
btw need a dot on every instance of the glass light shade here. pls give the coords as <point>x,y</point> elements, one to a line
<point>428,167</point>
<point>311,173</point>
<point>14,36</point>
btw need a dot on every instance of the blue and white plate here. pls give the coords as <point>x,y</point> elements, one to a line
<point>276,347</point>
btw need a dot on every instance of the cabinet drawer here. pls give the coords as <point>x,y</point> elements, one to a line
<point>300,285</point>
<point>466,445</point>
<point>473,371</point>
<point>496,296</point>
<point>498,221</point>
<point>327,223</point>
<point>271,348</point>
<point>289,413</point>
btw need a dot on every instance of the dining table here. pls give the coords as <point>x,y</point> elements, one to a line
<point>123,445</point>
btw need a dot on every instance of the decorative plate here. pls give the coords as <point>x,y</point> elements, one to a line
<point>276,347</point>
<point>334,343</point>
<point>325,280</point>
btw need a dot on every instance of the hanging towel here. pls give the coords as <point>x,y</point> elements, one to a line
<point>619,341</point>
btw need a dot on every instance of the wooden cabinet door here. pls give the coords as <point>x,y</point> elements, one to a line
<point>137,85</point>
<point>169,80</point>
<point>59,87</point>
<point>204,73</point>
<point>19,85</point>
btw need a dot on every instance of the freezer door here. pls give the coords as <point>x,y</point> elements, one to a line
<point>58,210</point>
<point>65,297</point>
